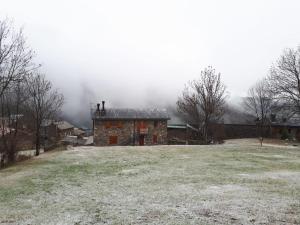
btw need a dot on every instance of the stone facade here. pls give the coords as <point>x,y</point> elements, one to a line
<point>130,132</point>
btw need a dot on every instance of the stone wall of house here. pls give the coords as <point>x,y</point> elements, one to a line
<point>128,132</point>
<point>102,133</point>
<point>160,130</point>
<point>65,132</point>
<point>49,133</point>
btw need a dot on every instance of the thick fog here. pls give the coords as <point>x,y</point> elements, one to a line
<point>141,53</point>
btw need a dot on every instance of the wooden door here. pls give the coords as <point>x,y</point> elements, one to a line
<point>113,140</point>
<point>142,139</point>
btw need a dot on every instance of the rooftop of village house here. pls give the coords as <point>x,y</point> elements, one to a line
<point>128,114</point>
<point>62,125</point>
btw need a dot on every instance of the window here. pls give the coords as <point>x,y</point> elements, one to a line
<point>154,139</point>
<point>107,124</point>
<point>142,125</point>
<point>117,124</point>
<point>113,140</point>
<point>155,123</point>
<point>113,124</point>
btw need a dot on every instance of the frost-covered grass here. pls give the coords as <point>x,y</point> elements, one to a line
<point>232,183</point>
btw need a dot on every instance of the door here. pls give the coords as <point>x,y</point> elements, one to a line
<point>154,141</point>
<point>142,139</point>
<point>113,140</point>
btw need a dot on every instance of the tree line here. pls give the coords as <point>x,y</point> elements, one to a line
<point>25,93</point>
<point>203,101</point>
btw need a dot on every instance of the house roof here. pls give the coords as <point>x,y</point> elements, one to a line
<point>61,125</point>
<point>64,125</point>
<point>128,114</point>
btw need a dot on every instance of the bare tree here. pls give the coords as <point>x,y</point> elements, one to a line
<point>202,101</point>
<point>259,104</point>
<point>16,59</point>
<point>12,104</point>
<point>285,79</point>
<point>44,104</point>
<point>16,62</point>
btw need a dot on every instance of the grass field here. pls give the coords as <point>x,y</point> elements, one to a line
<point>235,183</point>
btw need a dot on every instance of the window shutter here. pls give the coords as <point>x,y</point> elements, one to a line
<point>107,124</point>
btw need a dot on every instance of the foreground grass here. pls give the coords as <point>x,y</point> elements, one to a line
<point>223,184</point>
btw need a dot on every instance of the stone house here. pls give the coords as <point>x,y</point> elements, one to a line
<point>54,131</point>
<point>64,129</point>
<point>49,131</point>
<point>129,126</point>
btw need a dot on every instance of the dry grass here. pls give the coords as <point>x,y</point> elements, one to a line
<point>234,183</point>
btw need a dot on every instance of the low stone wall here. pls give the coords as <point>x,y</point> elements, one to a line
<point>219,132</point>
<point>240,131</point>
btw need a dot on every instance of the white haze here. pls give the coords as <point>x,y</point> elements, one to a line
<point>141,53</point>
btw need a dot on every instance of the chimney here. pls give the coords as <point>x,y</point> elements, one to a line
<point>98,107</point>
<point>103,109</point>
<point>103,103</point>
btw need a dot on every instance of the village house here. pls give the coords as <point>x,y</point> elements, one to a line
<point>129,126</point>
<point>64,129</point>
<point>54,131</point>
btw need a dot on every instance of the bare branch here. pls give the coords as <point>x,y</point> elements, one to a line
<point>285,78</point>
<point>203,100</point>
<point>44,103</point>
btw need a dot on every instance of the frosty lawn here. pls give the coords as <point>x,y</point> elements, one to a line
<point>224,184</point>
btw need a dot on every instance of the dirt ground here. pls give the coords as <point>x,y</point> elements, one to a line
<point>234,183</point>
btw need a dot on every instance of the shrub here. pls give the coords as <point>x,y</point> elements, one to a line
<point>285,134</point>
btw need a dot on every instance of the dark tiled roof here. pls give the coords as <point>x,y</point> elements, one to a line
<point>62,125</point>
<point>128,114</point>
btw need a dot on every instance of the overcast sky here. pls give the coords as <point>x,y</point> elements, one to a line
<point>136,53</point>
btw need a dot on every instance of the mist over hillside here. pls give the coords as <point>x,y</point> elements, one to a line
<point>80,104</point>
